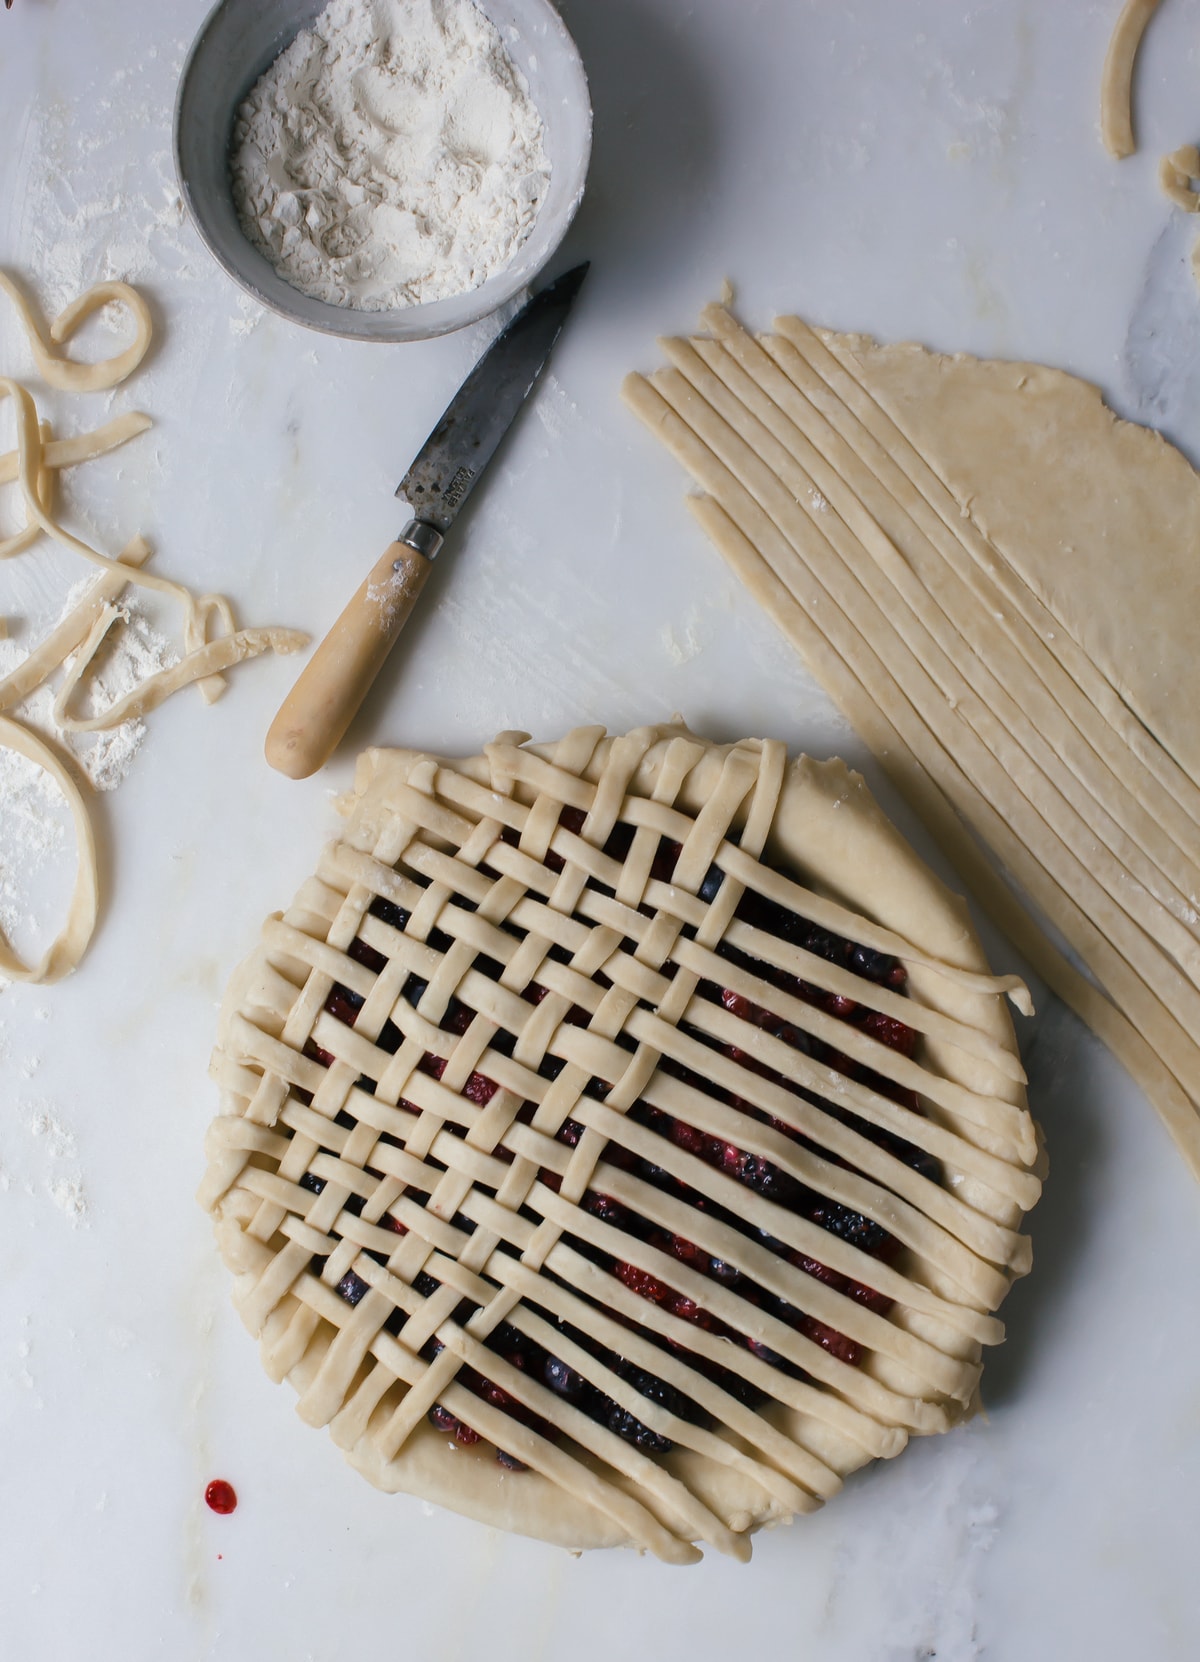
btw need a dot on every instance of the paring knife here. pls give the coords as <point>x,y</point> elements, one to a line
<point>338,676</point>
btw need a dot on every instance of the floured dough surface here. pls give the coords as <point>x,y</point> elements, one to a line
<point>1099,517</point>
<point>452,1079</point>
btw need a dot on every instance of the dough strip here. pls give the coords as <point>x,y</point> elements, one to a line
<point>1116,80</point>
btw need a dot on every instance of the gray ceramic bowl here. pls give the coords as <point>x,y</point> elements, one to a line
<point>241,38</point>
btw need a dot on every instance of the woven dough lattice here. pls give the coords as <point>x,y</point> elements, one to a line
<point>587,1172</point>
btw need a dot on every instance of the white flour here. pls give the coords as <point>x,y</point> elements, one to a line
<point>391,155</point>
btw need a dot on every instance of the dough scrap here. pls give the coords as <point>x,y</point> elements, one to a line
<point>61,957</point>
<point>1116,80</point>
<point>990,574</point>
<point>63,373</point>
<point>1175,175</point>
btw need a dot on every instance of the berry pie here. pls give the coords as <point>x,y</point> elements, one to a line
<point>622,1139</point>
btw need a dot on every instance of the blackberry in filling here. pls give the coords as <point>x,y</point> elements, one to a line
<point>755,1172</point>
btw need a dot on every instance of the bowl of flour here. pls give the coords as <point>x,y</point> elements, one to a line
<point>383,169</point>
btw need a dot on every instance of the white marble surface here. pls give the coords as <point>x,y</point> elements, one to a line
<point>920,170</point>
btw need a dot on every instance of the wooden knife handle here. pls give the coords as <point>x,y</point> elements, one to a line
<point>338,676</point>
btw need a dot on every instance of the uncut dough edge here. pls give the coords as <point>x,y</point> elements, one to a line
<point>827,828</point>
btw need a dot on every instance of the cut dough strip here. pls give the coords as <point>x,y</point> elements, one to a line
<point>64,953</point>
<point>207,660</point>
<point>198,609</point>
<point>950,581</point>
<point>934,806</point>
<point>1116,81</point>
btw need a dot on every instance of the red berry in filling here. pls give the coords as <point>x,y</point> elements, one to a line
<point>480,1089</point>
<point>344,1005</point>
<point>895,1034</point>
<point>837,1344</point>
<point>366,955</point>
<point>868,1296</point>
<point>444,1420</point>
<point>643,1283</point>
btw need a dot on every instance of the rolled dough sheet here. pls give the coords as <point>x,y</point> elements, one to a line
<point>995,577</point>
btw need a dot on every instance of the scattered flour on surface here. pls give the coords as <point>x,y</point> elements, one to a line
<point>684,641</point>
<point>47,1163</point>
<point>42,1122</point>
<point>33,834</point>
<point>67,1194</point>
<point>391,155</point>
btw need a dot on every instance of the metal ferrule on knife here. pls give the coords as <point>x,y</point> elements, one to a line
<point>423,537</point>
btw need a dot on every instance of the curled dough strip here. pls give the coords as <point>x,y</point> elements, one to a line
<point>84,447</point>
<point>204,661</point>
<point>1116,80</point>
<point>63,955</point>
<point>1175,175</point>
<point>65,373</point>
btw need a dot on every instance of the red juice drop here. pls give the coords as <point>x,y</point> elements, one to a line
<point>220,1496</point>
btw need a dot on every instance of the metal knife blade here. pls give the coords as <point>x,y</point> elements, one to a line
<point>464,441</point>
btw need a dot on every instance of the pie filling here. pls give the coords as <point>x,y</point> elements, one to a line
<point>754,1171</point>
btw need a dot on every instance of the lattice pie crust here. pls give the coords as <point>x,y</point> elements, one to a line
<point>576,1155</point>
